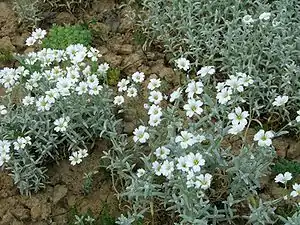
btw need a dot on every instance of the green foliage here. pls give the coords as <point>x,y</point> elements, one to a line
<point>87,218</point>
<point>213,34</point>
<point>88,181</point>
<point>5,55</point>
<point>60,37</point>
<point>113,76</point>
<point>283,165</point>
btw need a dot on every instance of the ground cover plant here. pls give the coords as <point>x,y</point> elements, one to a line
<point>201,152</point>
<point>56,101</point>
<point>179,162</point>
<point>259,38</point>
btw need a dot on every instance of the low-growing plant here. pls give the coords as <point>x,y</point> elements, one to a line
<point>60,37</point>
<point>260,38</point>
<point>56,102</point>
<point>71,6</point>
<point>28,11</point>
<point>178,162</point>
<point>88,181</point>
<point>113,76</point>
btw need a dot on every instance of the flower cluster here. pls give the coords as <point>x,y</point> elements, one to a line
<point>235,84</point>
<point>77,156</point>
<point>248,20</point>
<point>36,35</point>
<point>238,119</point>
<point>128,86</point>
<point>190,165</point>
<point>18,145</point>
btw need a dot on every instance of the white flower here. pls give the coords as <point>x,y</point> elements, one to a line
<point>83,153</point>
<point>224,96</point>
<point>61,124</point>
<point>102,68</point>
<point>186,139</point>
<point>182,164</point>
<point>140,134</point>
<point>245,79</point>
<point>155,97</point>
<point>3,110</point>
<point>154,121</point>
<point>247,19</point>
<point>238,117</point>
<point>265,16</point>
<point>206,70</point>
<point>28,100</point>
<point>20,143</point>
<point>140,172</point>
<point>194,88</point>
<point>162,152</point>
<point>236,128</point>
<point>92,81</point>
<point>235,83</point>
<point>138,77</point>
<point>193,106</point>
<point>75,158</point>
<point>199,138</point>
<point>264,138</point>
<point>155,110</point>
<point>154,83</point>
<point>298,117</point>
<point>220,86</point>
<point>132,92</point>
<point>175,95</point>
<point>157,168</point>
<point>167,168</point>
<point>95,90</point>
<point>283,178</point>
<point>280,100</point>
<point>123,85</point>
<point>51,95</point>
<point>183,63</point>
<point>296,191</point>
<point>39,34</point>
<point>146,106</point>
<point>82,88</point>
<point>203,181</point>
<point>4,146</point>
<point>195,161</point>
<point>119,100</point>
<point>4,158</point>
<point>42,104</point>
<point>30,41</point>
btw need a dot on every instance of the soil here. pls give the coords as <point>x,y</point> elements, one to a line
<point>114,31</point>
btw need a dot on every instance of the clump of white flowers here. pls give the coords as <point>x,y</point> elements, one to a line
<point>77,156</point>
<point>36,35</point>
<point>55,86</point>
<point>233,85</point>
<point>180,150</point>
